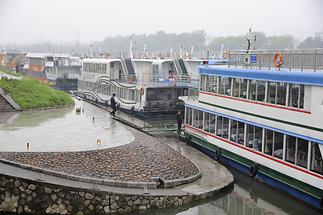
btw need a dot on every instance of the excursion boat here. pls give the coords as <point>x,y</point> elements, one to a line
<point>12,60</point>
<point>58,69</point>
<point>143,87</point>
<point>262,114</point>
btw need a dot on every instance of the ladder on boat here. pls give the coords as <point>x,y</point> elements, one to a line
<point>130,71</point>
<point>181,70</point>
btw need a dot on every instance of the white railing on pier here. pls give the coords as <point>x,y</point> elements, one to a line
<point>304,60</point>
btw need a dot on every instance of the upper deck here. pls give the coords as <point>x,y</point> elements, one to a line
<point>302,60</point>
<point>289,99</point>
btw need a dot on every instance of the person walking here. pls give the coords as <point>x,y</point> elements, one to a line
<point>179,120</point>
<point>113,104</point>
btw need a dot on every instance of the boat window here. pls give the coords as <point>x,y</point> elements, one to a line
<point>198,119</point>
<point>278,145</point>
<point>261,89</point>
<point>302,152</point>
<point>281,93</point>
<point>252,89</point>
<point>296,95</point>
<point>237,132</point>
<point>209,122</point>
<point>254,137</point>
<point>225,86</point>
<point>203,82</point>
<point>239,88</point>
<point>290,148</point>
<point>296,150</point>
<point>215,85</point>
<point>272,92</point>
<point>209,80</point>
<point>222,128</point>
<point>316,158</point>
<point>206,122</point>
<point>188,115</point>
<point>269,141</point>
<point>151,94</point>
<point>236,87</point>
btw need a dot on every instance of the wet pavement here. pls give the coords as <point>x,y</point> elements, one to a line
<point>58,130</point>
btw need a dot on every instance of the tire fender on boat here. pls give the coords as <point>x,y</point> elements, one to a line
<point>253,170</point>
<point>217,154</point>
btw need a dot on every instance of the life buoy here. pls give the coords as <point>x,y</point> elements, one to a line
<point>253,171</point>
<point>278,59</point>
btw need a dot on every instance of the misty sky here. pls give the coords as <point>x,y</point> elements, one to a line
<point>28,21</point>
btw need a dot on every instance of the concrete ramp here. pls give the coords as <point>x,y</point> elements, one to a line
<point>7,104</point>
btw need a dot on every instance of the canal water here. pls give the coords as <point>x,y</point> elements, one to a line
<point>247,197</point>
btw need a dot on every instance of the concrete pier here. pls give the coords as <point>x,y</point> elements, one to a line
<point>141,174</point>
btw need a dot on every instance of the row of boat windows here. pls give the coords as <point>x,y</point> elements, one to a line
<point>95,67</point>
<point>36,61</point>
<point>278,93</point>
<point>102,88</point>
<point>292,149</point>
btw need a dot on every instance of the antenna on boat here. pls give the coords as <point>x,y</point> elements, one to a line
<point>130,48</point>
<point>249,38</point>
<point>192,50</point>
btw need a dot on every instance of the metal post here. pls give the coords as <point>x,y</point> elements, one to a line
<point>315,51</point>
<point>302,61</point>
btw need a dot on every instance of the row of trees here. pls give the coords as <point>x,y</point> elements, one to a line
<point>164,42</point>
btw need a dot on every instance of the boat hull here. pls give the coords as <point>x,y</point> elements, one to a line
<point>261,173</point>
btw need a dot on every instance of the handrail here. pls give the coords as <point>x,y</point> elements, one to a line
<point>304,59</point>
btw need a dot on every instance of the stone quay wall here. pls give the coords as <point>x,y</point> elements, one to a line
<point>23,196</point>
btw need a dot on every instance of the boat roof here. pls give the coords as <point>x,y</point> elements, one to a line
<point>43,55</point>
<point>297,77</point>
<point>100,60</point>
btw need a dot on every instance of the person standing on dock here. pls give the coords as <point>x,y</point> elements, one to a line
<point>113,104</point>
<point>179,120</point>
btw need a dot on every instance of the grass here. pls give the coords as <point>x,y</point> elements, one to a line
<point>9,71</point>
<point>31,94</point>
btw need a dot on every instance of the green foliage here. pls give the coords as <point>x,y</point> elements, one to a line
<point>31,94</point>
<point>161,41</point>
<point>312,42</point>
<point>262,42</point>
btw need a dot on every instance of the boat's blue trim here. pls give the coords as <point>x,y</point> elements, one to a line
<point>309,199</point>
<point>257,124</point>
<point>298,77</point>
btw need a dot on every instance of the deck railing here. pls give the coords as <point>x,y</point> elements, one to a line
<point>307,59</point>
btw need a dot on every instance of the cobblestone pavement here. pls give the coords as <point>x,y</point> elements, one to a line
<point>145,157</point>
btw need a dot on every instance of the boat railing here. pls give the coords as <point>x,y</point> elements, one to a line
<point>303,60</point>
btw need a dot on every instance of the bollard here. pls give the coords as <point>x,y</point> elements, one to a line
<point>27,146</point>
<point>146,189</point>
<point>98,142</point>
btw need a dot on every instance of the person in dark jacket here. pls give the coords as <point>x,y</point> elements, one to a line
<point>179,120</point>
<point>113,104</point>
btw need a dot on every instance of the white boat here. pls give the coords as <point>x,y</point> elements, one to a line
<point>143,87</point>
<point>262,114</point>
<point>58,69</point>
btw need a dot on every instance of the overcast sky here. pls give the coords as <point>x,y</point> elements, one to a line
<point>27,21</point>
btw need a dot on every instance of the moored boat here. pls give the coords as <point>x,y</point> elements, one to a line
<point>265,122</point>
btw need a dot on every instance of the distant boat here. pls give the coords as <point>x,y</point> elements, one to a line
<point>57,69</point>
